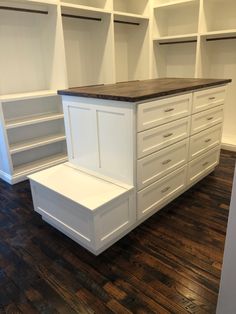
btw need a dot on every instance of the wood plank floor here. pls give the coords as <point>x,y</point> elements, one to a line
<point>170,264</point>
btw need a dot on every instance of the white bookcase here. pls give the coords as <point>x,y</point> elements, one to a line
<point>48,45</point>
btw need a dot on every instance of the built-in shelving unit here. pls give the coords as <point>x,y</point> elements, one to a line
<point>70,43</point>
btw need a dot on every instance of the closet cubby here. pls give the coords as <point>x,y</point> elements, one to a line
<point>218,15</point>
<point>88,47</point>
<point>176,18</point>
<point>174,59</point>
<point>131,50</point>
<point>218,60</point>
<point>140,7</point>
<point>30,48</point>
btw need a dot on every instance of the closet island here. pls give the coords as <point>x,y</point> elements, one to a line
<point>133,147</point>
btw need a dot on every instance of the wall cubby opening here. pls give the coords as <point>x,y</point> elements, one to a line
<point>88,50</point>
<point>132,51</point>
<point>174,60</point>
<point>219,15</point>
<point>139,7</point>
<point>179,19</point>
<point>29,48</point>
<point>218,60</point>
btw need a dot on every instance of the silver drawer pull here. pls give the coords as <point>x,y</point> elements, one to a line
<point>170,109</point>
<point>205,163</point>
<point>167,135</point>
<point>165,162</point>
<point>210,118</point>
<point>211,98</point>
<point>165,189</point>
<point>208,140</point>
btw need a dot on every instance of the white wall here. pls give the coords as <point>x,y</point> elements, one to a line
<point>227,295</point>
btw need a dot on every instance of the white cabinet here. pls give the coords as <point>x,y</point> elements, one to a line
<point>126,161</point>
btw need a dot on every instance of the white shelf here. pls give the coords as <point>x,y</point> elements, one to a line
<point>80,10</point>
<point>27,145</point>
<point>129,17</point>
<point>177,38</point>
<point>172,4</point>
<point>219,34</point>
<point>39,164</point>
<point>30,95</point>
<point>29,120</point>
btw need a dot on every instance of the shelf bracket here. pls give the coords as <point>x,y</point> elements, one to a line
<point>23,10</point>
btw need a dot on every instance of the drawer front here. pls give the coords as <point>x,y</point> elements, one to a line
<point>157,194</point>
<point>208,98</point>
<point>201,166</point>
<point>206,119</point>
<point>157,165</point>
<point>160,137</point>
<point>205,140</point>
<point>158,112</point>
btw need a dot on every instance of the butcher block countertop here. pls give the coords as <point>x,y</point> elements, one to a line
<point>136,91</point>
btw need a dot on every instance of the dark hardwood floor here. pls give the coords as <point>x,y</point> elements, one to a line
<point>170,264</point>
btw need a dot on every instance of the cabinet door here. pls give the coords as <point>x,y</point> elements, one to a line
<point>157,138</point>
<point>158,112</point>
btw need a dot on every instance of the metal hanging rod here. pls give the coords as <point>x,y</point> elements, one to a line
<point>221,38</point>
<point>124,22</point>
<point>178,42</point>
<point>81,17</point>
<point>23,10</point>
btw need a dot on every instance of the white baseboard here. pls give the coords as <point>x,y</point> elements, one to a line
<point>228,146</point>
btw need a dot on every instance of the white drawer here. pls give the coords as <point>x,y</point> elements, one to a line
<point>161,111</point>
<point>206,119</point>
<point>157,165</point>
<point>157,138</point>
<point>208,98</point>
<point>156,195</point>
<point>203,165</point>
<point>205,140</point>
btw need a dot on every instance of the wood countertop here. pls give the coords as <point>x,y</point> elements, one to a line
<point>135,91</point>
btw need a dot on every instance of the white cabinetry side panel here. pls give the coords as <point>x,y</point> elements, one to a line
<point>100,137</point>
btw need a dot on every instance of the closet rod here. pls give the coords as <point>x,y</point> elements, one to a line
<point>124,22</point>
<point>81,17</point>
<point>178,42</point>
<point>221,38</point>
<point>23,10</point>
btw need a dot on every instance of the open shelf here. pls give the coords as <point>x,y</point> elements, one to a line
<point>170,3</point>
<point>132,51</point>
<point>223,34</point>
<point>140,7</point>
<point>99,4</point>
<point>75,10</point>
<point>174,20</point>
<point>129,18</point>
<point>27,145</point>
<point>218,15</point>
<point>25,96</point>
<point>176,39</point>
<point>16,123</point>
<point>175,60</point>
<point>34,166</point>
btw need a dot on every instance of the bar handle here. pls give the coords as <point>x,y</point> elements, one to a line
<point>169,110</point>
<point>165,189</point>
<point>165,162</point>
<point>167,135</point>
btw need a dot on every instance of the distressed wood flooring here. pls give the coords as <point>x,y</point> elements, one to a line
<point>169,264</point>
